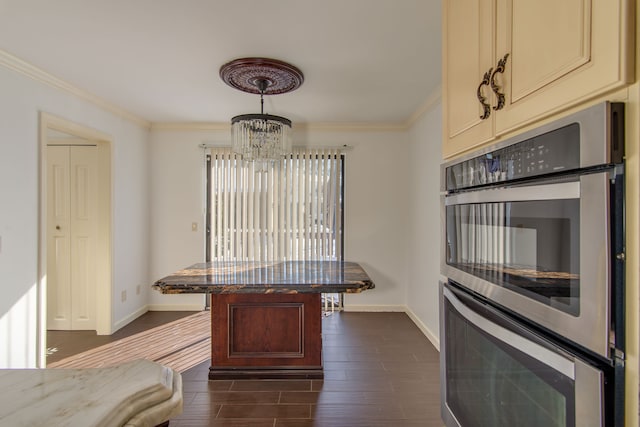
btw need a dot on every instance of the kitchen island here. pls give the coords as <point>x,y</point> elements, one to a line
<point>266,317</point>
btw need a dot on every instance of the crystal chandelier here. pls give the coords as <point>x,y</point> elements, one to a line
<point>261,137</point>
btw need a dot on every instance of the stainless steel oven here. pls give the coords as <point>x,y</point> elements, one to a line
<point>534,228</point>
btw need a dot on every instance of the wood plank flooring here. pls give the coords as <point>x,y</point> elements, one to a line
<point>380,370</point>
<point>180,344</point>
<point>62,344</point>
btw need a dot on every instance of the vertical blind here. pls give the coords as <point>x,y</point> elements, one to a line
<point>487,234</point>
<point>292,211</point>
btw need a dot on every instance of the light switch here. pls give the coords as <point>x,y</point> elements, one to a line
<point>194,226</point>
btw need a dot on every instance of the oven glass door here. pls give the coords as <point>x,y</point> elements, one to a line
<point>531,247</point>
<point>540,251</point>
<point>497,373</point>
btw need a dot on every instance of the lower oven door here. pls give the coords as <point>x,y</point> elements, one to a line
<point>495,372</point>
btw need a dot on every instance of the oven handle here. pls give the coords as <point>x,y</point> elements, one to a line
<point>539,352</point>
<point>562,190</point>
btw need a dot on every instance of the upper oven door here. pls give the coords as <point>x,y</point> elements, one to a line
<point>541,251</point>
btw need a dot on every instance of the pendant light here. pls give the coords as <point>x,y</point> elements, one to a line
<point>261,137</point>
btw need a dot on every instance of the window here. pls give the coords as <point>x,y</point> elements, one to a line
<point>291,211</point>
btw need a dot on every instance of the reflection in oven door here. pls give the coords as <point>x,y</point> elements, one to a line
<point>530,247</point>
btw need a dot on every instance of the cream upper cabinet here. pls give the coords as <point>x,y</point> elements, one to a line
<point>468,54</point>
<point>527,60</point>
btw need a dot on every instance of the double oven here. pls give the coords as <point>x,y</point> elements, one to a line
<point>532,308</point>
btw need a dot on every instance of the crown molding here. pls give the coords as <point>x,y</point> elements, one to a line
<point>327,127</point>
<point>16,64</point>
<point>349,127</point>
<point>427,105</point>
<point>191,126</point>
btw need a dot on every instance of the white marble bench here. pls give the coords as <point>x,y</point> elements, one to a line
<point>138,393</point>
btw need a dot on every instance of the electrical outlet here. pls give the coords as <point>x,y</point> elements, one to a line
<point>194,226</point>
<point>123,296</point>
<point>138,290</point>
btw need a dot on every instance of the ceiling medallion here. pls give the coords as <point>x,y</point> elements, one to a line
<point>261,137</point>
<point>245,73</point>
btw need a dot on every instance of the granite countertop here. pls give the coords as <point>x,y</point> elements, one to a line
<point>267,277</point>
<point>138,393</point>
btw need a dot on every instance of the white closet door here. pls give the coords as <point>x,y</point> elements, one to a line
<point>72,201</point>
<point>58,239</point>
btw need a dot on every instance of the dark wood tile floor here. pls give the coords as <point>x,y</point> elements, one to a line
<point>380,370</point>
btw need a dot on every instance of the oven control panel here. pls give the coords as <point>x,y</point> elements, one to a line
<point>552,152</point>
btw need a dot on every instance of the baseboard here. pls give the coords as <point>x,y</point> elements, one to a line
<point>375,308</point>
<point>130,318</point>
<point>426,331</point>
<point>175,307</point>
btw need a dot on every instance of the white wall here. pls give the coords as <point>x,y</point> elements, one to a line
<point>376,197</point>
<point>423,260</point>
<point>20,104</point>
<point>177,200</point>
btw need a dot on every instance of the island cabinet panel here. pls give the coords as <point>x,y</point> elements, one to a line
<point>266,336</point>
<point>517,62</point>
<point>261,329</point>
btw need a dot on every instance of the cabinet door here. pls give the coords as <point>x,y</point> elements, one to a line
<point>468,40</point>
<point>560,54</point>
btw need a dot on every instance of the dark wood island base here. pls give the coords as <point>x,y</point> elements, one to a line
<point>266,336</point>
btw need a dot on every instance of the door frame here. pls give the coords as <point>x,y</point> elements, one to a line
<point>104,252</point>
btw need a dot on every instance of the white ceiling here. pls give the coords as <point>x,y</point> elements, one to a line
<point>364,61</point>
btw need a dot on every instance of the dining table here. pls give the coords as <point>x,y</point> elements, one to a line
<point>266,316</point>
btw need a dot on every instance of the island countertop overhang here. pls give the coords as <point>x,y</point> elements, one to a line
<point>282,277</point>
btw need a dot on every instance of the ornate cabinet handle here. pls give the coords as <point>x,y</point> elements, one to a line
<point>494,86</point>
<point>483,101</point>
